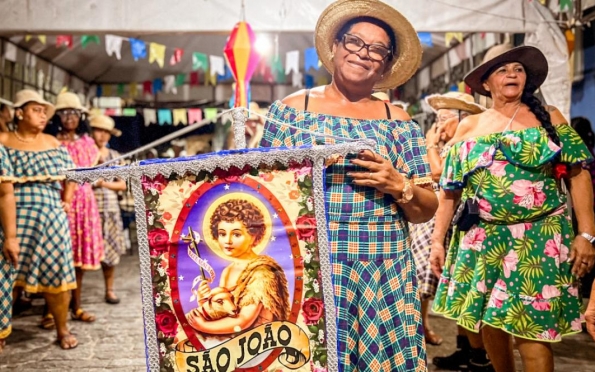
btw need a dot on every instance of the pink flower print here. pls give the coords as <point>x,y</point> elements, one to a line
<point>576,325</point>
<point>573,290</point>
<point>465,149</point>
<point>451,288</point>
<point>555,249</point>
<point>553,146</point>
<point>550,334</point>
<point>540,304</point>
<point>509,263</point>
<point>518,231</point>
<point>528,194</point>
<point>550,291</point>
<point>498,295</point>
<point>484,210</point>
<point>511,138</point>
<point>481,286</point>
<point>474,239</point>
<point>486,157</point>
<point>497,168</point>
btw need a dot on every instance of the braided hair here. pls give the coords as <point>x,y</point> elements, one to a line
<point>536,107</point>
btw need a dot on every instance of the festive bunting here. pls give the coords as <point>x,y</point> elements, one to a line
<point>565,5</point>
<point>120,90</point>
<point>180,117</point>
<point>169,84</point>
<point>176,57</point>
<point>461,87</point>
<point>296,79</point>
<point>226,76</point>
<point>113,45</point>
<point>157,53</point>
<point>425,38</point>
<point>216,65</point>
<point>133,90</point>
<point>99,91</point>
<point>41,38</point>
<point>449,36</point>
<point>292,62</point>
<point>200,61</point>
<point>129,112</point>
<point>112,112</point>
<point>64,40</point>
<point>10,52</point>
<point>157,86</point>
<point>107,90</point>
<point>311,59</point>
<point>194,78</point>
<point>211,114</point>
<point>242,58</point>
<point>164,117</point>
<point>147,87</point>
<point>86,39</point>
<point>150,116</point>
<point>308,81</point>
<point>277,69</point>
<point>180,79</point>
<point>194,116</point>
<point>138,49</point>
<point>210,79</point>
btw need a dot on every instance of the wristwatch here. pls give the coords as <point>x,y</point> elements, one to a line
<point>589,237</point>
<point>407,193</point>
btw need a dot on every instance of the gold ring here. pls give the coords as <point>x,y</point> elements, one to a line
<point>370,175</point>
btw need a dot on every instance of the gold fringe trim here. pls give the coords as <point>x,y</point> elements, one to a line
<point>26,179</point>
<point>422,181</point>
<point>43,289</point>
<point>6,332</point>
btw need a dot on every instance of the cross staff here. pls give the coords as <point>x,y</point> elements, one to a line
<point>192,244</point>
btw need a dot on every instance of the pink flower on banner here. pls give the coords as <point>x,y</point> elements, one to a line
<point>573,290</point>
<point>509,263</point>
<point>484,209</point>
<point>576,325</point>
<point>528,194</point>
<point>550,291</point>
<point>497,168</point>
<point>474,239</point>
<point>481,286</point>
<point>518,230</point>
<point>466,148</point>
<point>540,304</point>
<point>498,295</point>
<point>555,249</point>
<point>550,335</point>
<point>158,183</point>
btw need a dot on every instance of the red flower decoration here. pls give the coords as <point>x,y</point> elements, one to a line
<point>231,175</point>
<point>561,170</point>
<point>158,241</point>
<point>312,310</point>
<point>306,228</point>
<point>167,323</point>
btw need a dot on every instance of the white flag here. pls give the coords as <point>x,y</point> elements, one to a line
<point>113,44</point>
<point>150,116</point>
<point>169,84</point>
<point>292,62</point>
<point>296,79</point>
<point>217,65</point>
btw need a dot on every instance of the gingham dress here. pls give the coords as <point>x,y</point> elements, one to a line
<point>379,322</point>
<point>45,259</point>
<point>111,220</point>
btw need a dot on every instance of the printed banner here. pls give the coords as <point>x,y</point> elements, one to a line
<point>236,274</point>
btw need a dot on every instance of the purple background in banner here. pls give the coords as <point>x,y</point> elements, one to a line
<point>280,249</point>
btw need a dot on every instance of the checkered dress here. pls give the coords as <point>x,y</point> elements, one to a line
<point>45,259</point>
<point>379,323</point>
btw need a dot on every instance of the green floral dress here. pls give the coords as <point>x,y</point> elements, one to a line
<point>511,271</point>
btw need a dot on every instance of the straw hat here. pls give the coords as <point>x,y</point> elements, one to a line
<point>381,96</point>
<point>531,58</point>
<point>69,100</point>
<point>408,57</point>
<point>106,123</point>
<point>27,95</point>
<point>454,101</point>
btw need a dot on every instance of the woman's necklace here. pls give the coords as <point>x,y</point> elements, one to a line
<point>25,140</point>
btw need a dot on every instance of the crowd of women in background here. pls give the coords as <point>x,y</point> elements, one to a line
<point>62,229</point>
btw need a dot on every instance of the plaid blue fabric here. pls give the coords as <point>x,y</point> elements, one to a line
<point>379,322</point>
<point>45,260</point>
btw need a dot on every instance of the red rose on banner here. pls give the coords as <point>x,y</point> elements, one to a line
<point>158,183</point>
<point>167,323</point>
<point>158,241</point>
<point>312,310</point>
<point>231,175</point>
<point>561,170</point>
<point>306,228</point>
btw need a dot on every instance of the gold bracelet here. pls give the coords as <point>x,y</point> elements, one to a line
<point>432,147</point>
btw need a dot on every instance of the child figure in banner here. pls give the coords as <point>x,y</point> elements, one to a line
<point>257,283</point>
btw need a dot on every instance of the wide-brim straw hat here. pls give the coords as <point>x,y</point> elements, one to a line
<point>531,58</point>
<point>106,123</point>
<point>69,100</point>
<point>381,96</point>
<point>27,95</point>
<point>405,62</point>
<point>454,101</point>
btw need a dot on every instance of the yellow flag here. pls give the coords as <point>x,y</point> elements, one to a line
<point>107,90</point>
<point>453,35</point>
<point>157,53</point>
<point>461,87</point>
<point>41,38</point>
<point>180,117</point>
<point>210,79</point>
<point>27,38</point>
<point>132,90</point>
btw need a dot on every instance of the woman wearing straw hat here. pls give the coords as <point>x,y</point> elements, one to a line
<point>106,195</point>
<point>73,130</point>
<point>450,109</point>
<point>45,263</point>
<point>5,115</point>
<point>515,268</point>
<point>367,45</point>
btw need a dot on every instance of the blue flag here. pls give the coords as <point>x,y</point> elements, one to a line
<point>310,59</point>
<point>138,49</point>
<point>425,38</point>
<point>164,117</point>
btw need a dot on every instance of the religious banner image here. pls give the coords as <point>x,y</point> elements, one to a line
<point>235,269</point>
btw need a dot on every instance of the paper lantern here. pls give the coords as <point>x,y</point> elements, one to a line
<point>242,59</point>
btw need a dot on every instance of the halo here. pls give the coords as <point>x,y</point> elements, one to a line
<point>206,224</point>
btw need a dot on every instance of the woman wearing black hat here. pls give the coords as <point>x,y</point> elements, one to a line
<point>514,268</point>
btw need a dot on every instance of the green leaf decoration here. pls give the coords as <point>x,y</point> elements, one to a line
<point>531,268</point>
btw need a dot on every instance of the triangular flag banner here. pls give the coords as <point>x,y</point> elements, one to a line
<point>296,79</point>
<point>164,117</point>
<point>321,80</point>
<point>113,112</point>
<point>292,62</point>
<point>42,38</point>
<point>113,45</point>
<point>138,49</point>
<point>157,54</point>
<point>107,90</point>
<point>157,86</point>
<point>180,79</point>
<point>425,38</point>
<point>308,81</point>
<point>129,112</point>
<point>277,69</point>
<point>565,5</point>
<point>64,40</point>
<point>216,65</point>
<point>86,39</point>
<point>120,90</point>
<point>176,57</point>
<point>99,91</point>
<point>10,52</point>
<point>310,59</point>
<point>169,84</point>
<point>147,87</point>
<point>449,36</point>
<point>194,115</point>
<point>194,78</point>
<point>210,79</point>
<point>133,90</point>
<point>226,76</point>
<point>150,116</point>
<point>461,87</point>
<point>211,113</point>
<point>28,37</point>
<point>180,117</point>
<point>200,61</point>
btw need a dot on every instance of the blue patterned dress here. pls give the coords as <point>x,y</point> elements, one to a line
<point>379,322</point>
<point>45,259</point>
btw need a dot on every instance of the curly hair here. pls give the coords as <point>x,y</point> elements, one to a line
<point>239,210</point>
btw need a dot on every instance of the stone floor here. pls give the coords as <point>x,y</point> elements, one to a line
<point>115,341</point>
